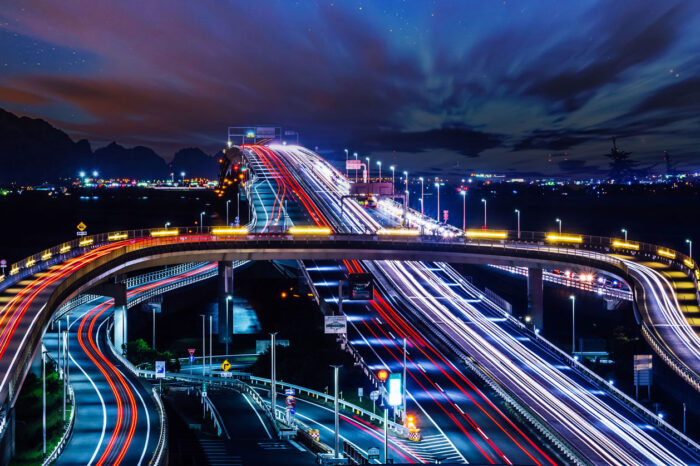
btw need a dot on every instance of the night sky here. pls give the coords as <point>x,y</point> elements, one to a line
<point>444,86</point>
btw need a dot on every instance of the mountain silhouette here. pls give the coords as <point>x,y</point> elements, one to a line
<point>32,151</point>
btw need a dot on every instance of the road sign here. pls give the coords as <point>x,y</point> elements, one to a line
<point>395,391</point>
<point>292,410</point>
<point>336,324</point>
<point>374,395</point>
<point>373,453</point>
<point>265,132</point>
<point>191,358</point>
<point>3,263</point>
<point>360,392</point>
<point>290,400</point>
<point>191,351</point>
<point>81,226</point>
<point>352,164</point>
<point>289,391</point>
<point>225,366</point>
<point>160,369</point>
<point>445,215</point>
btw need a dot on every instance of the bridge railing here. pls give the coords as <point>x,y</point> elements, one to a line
<point>579,245</point>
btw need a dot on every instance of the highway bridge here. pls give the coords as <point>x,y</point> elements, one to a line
<point>328,227</point>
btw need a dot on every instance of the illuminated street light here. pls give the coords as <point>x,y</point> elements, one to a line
<point>518,214</point>
<point>464,209</point>
<point>690,247</point>
<point>167,224</point>
<point>624,231</point>
<point>421,195</point>
<point>201,222</point>
<point>369,169</point>
<point>82,174</point>
<point>379,164</point>
<point>485,222</point>
<point>558,220</point>
<point>437,185</point>
<point>405,174</point>
<point>393,188</point>
<point>346,163</point>
<point>95,173</point>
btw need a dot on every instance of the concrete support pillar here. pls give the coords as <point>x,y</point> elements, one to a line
<point>225,289</point>
<point>120,337</point>
<point>535,296</point>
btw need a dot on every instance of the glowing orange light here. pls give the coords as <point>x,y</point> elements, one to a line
<point>382,375</point>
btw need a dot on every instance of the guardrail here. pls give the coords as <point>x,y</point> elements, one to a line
<point>160,456</point>
<point>58,449</point>
<point>538,241</point>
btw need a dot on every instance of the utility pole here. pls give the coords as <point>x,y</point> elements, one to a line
<point>518,213</point>
<point>437,185</point>
<point>273,369</point>
<point>65,376</point>
<point>238,206</point>
<point>464,210</point>
<point>573,324</point>
<point>204,348</point>
<point>386,435</point>
<point>486,225</point>
<point>154,328</point>
<point>421,196</point>
<point>43,396</point>
<point>404,382</point>
<point>336,412</point>
<point>211,353</point>
<point>227,203</point>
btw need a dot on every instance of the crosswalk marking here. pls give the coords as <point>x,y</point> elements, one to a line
<point>434,447</point>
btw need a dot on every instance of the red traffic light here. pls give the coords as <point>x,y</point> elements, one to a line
<point>382,375</point>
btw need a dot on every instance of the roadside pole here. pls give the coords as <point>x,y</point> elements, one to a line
<point>386,435</point>
<point>336,413</point>
<point>273,368</point>
<point>404,383</point>
<point>43,396</point>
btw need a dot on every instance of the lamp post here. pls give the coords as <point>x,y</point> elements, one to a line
<point>485,223</point>
<point>379,164</point>
<point>201,220</point>
<point>355,155</point>
<point>624,231</point>
<point>346,163</point>
<point>463,193</point>
<point>273,376</point>
<point>228,336</point>
<point>204,347</point>
<point>393,184</point>
<point>518,214</point>
<point>211,352</point>
<point>437,215</point>
<point>558,220</point>
<point>167,224</point>
<point>573,324</point>
<point>690,248</point>
<point>421,195</point>
<point>227,203</point>
<point>336,442</point>
<point>405,179</point>
<point>369,169</point>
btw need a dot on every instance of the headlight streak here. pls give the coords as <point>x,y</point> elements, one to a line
<point>581,402</point>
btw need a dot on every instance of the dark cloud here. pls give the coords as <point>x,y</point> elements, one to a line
<point>461,140</point>
<point>551,140</point>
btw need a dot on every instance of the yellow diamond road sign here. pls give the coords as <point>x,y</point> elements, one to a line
<point>82,226</point>
<point>225,366</point>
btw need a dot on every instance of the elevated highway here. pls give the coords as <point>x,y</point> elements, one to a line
<point>37,286</point>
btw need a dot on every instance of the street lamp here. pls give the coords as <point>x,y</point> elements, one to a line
<point>369,169</point>
<point>405,174</point>
<point>517,212</point>
<point>690,246</point>
<point>624,231</point>
<point>379,164</point>
<point>573,324</point>
<point>201,220</point>
<point>486,225</point>
<point>95,173</point>
<point>355,155</point>
<point>558,220</point>
<point>421,195</point>
<point>82,174</point>
<point>228,336</point>
<point>393,189</point>
<point>227,203</point>
<point>167,224</point>
<point>464,209</point>
<point>346,163</point>
<point>437,185</point>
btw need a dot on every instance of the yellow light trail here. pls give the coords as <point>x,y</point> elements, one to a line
<point>565,238</point>
<point>486,234</point>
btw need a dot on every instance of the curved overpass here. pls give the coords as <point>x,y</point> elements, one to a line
<point>28,309</point>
